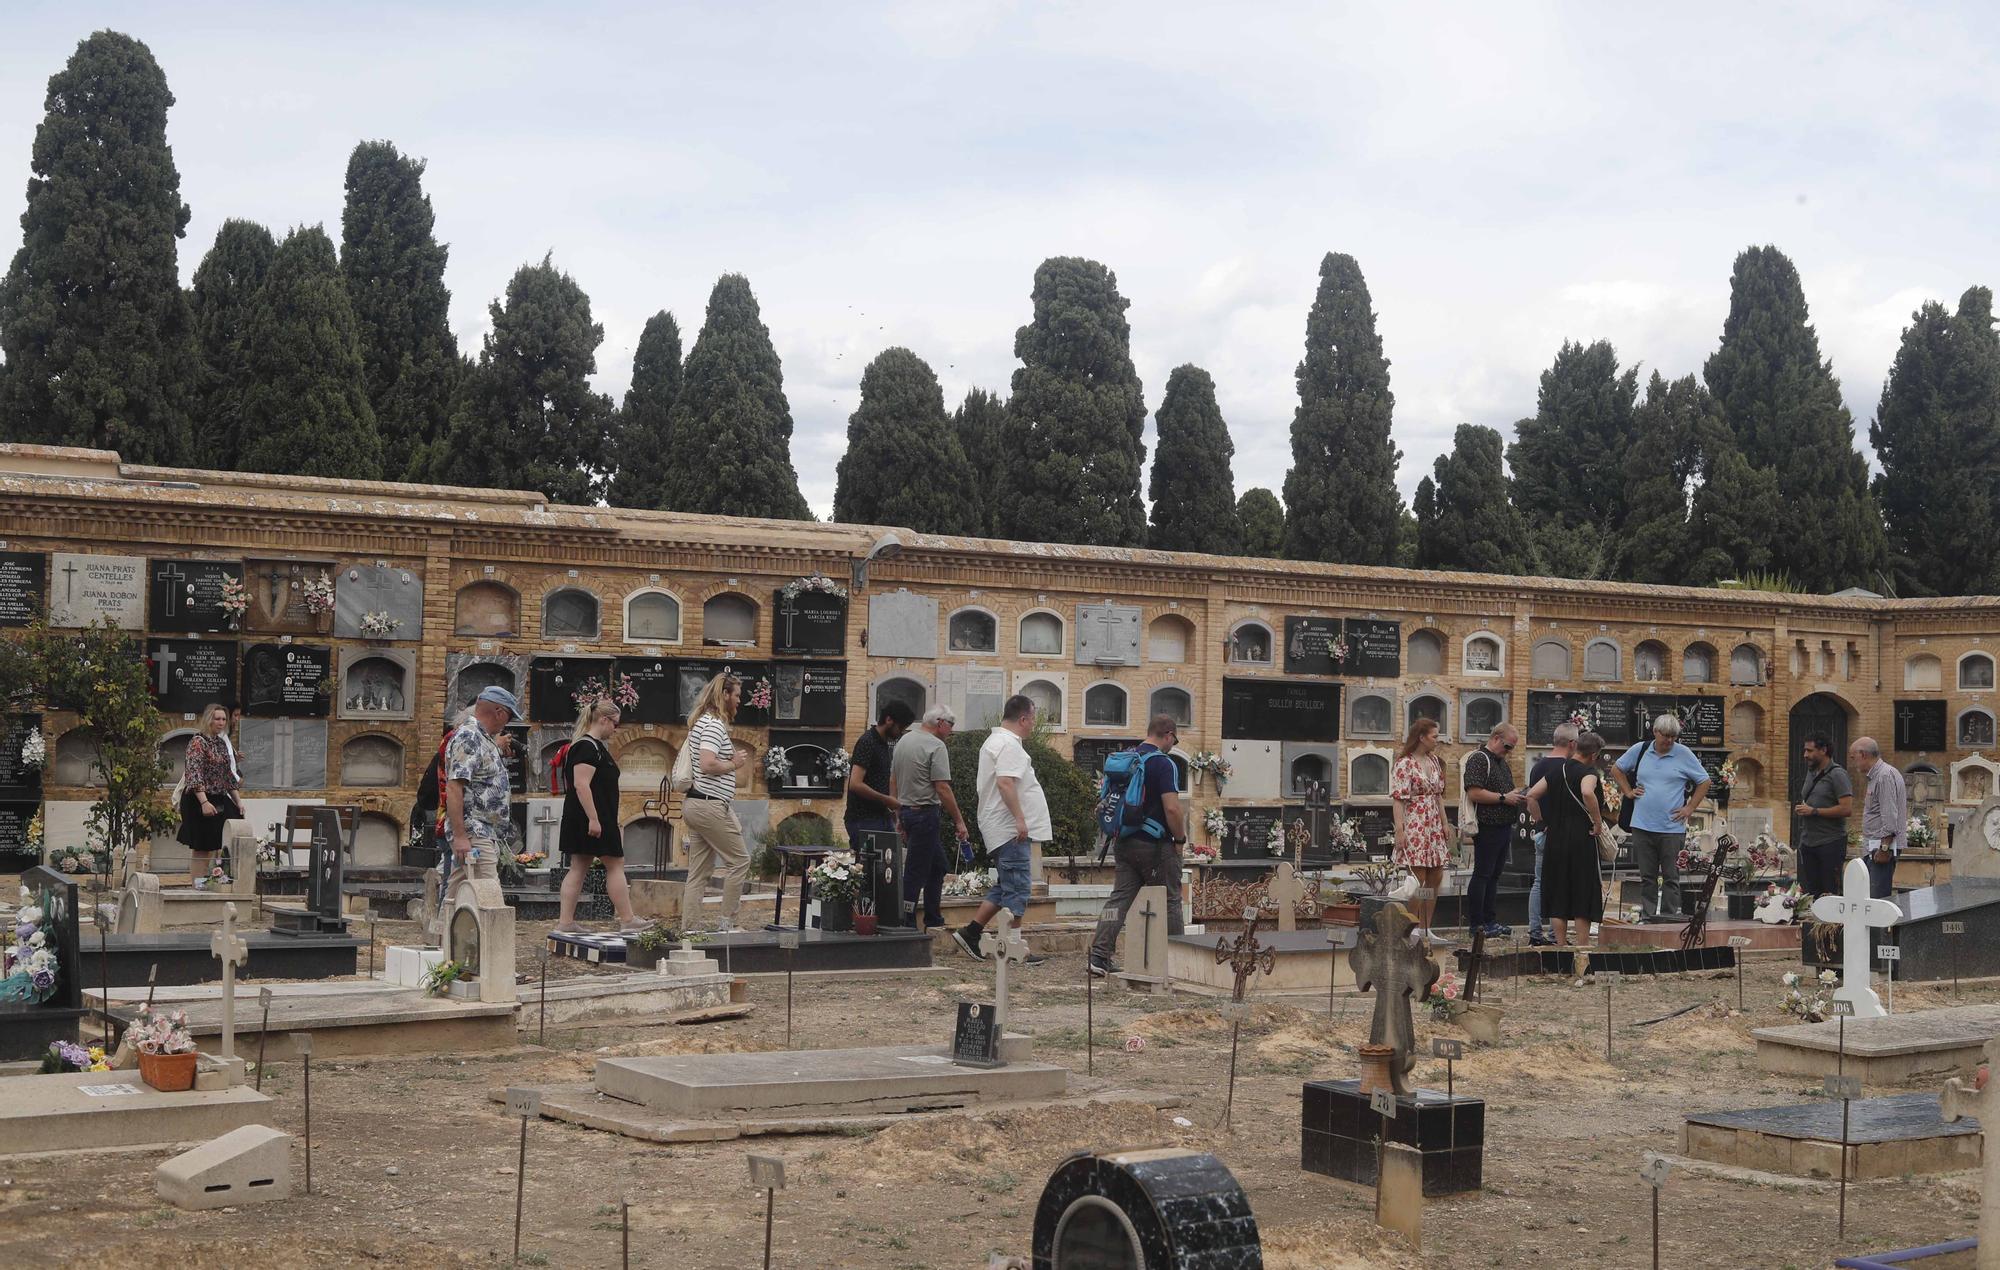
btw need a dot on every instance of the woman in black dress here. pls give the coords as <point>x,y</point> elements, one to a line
<point>590,829</point>
<point>1567,801</point>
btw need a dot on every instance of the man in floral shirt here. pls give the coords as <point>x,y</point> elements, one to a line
<point>477,821</point>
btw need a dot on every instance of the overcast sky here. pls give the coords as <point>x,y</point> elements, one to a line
<point>1509,176</point>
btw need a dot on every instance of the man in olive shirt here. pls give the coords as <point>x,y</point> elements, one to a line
<point>921,782</point>
<point>1826,800</point>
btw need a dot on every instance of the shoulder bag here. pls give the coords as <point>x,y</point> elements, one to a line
<point>1607,851</point>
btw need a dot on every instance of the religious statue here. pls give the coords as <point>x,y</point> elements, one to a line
<point>1386,962</point>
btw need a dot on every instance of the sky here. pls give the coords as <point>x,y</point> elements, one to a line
<point>1508,176</point>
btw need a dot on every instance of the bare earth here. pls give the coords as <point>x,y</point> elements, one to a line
<point>1566,1132</point>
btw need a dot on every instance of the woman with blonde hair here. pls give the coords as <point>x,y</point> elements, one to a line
<point>590,829</point>
<point>1416,784</point>
<point>713,832</point>
<point>208,791</point>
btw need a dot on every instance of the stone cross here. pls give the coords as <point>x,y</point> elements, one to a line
<point>1962,1100</point>
<point>229,946</point>
<point>547,820</point>
<point>1285,892</point>
<point>1385,962</point>
<point>1246,956</point>
<point>1857,915</point>
<point>1002,943</point>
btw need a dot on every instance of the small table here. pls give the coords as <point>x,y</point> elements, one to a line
<point>807,857</point>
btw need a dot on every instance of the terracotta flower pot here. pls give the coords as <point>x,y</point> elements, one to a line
<point>168,1073</point>
<point>865,923</point>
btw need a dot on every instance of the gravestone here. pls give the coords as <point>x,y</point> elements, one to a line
<point>1304,761</point>
<point>809,694</point>
<point>1309,645</point>
<point>1975,847</point>
<point>553,683</point>
<point>1374,648</point>
<point>1000,943</point>
<point>24,586</point>
<point>653,679</point>
<point>1107,635</point>
<point>1247,834</point>
<point>18,780</point>
<point>30,1022</point>
<point>479,935</point>
<point>1285,892</point>
<point>363,589</point>
<point>1386,963</point>
<point>186,595</point>
<point>1089,752</point>
<point>1280,710</point>
<point>1982,1102</point>
<point>902,625</point>
<point>1259,767</point>
<point>1858,915</point>
<point>140,907</point>
<point>190,673</point>
<point>467,673</point>
<point>1130,1210</point>
<point>809,624</point>
<point>976,693</point>
<point>291,681</point>
<point>251,1164</point>
<point>277,594</point>
<point>87,590</point>
<point>325,868</point>
<point>283,753</point>
<point>377,683</point>
<point>1920,725</point>
<point>1146,940</point>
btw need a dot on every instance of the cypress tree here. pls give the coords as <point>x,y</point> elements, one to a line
<point>643,451</point>
<point>1735,522</point>
<point>1261,518</point>
<point>1472,525</point>
<point>1569,460</point>
<point>94,328</point>
<point>304,400</point>
<point>1783,405</point>
<point>1937,436</point>
<point>1424,526</point>
<point>731,426</point>
<point>904,465</point>
<point>980,422</point>
<point>1671,428</point>
<point>1340,494</point>
<point>528,418</point>
<point>1075,433</point>
<point>395,277</point>
<point>1193,490</point>
<point>224,294</point>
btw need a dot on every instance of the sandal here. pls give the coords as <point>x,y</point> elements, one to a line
<point>573,928</point>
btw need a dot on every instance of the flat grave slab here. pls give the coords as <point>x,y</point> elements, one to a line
<point>72,1111</point>
<point>344,1019</point>
<point>622,994</point>
<point>180,908</point>
<point>1715,935</point>
<point>183,957</point>
<point>1930,955</point>
<point>1338,1128</point>
<point>1924,1046</point>
<point>822,1082</point>
<point>1306,962</point>
<point>598,949</point>
<point>756,952</point>
<point>1886,1137</point>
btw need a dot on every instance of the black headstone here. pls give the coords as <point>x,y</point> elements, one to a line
<point>1920,725</point>
<point>1280,710</point>
<point>1309,645</point>
<point>975,1042</point>
<point>1248,836</point>
<point>554,681</point>
<point>516,756</point>
<point>654,679</point>
<point>14,845</point>
<point>1375,824</point>
<point>24,586</point>
<point>326,866</point>
<point>1616,718</point>
<point>186,595</point>
<point>27,1028</point>
<point>288,681</point>
<point>17,779</point>
<point>808,752</point>
<point>1701,719</point>
<point>809,694</point>
<point>809,624</point>
<point>1374,648</point>
<point>1091,751</point>
<point>190,673</point>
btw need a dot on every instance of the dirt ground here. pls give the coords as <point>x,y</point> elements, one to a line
<point>414,1166</point>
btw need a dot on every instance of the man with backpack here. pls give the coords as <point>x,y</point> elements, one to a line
<point>1141,800</point>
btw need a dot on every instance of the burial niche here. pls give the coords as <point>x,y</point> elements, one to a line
<point>1923,673</point>
<point>479,676</point>
<point>569,613</point>
<point>486,609</point>
<point>375,686</point>
<point>904,689</point>
<point>1371,714</point>
<point>1168,639</point>
<point>1048,699</point>
<point>378,841</point>
<point>652,617</point>
<point>1550,662</point>
<point>1104,706</point>
<point>1250,644</point>
<point>1975,672</point>
<point>644,763</point>
<point>372,760</point>
<point>1746,665</point>
<point>1426,653</point>
<point>1175,703</point>
<point>1483,713</point>
<point>649,839</point>
<point>1649,661</point>
<point>729,620</point>
<point>76,759</point>
<point>1482,655</point>
<point>1041,635</point>
<point>1746,723</point>
<point>1975,729</point>
<point>174,753</point>
<point>1368,775</point>
<point>972,631</point>
<point>1698,664</point>
<point>1600,660</point>
<point>1426,706</point>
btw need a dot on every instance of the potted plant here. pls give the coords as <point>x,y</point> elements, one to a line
<point>835,882</point>
<point>166,1052</point>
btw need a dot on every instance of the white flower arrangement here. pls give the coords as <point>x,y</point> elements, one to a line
<point>817,582</point>
<point>318,593</point>
<point>777,764</point>
<point>837,877</point>
<point>837,763</point>
<point>379,625</point>
<point>1921,834</point>
<point>35,750</point>
<point>1346,836</point>
<point>973,882</point>
<point>1215,822</point>
<point>28,970</point>
<point>1275,844</point>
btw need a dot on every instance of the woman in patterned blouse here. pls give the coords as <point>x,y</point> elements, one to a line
<point>208,791</point>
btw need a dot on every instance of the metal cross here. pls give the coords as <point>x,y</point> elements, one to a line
<point>1246,956</point>
<point>229,946</point>
<point>171,574</point>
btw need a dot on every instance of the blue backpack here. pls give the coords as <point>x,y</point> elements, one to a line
<point>1121,796</point>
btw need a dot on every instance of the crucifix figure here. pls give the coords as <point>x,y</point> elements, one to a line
<point>1246,956</point>
<point>229,946</point>
<point>1983,1104</point>
<point>1857,915</point>
<point>171,575</point>
<point>1286,893</point>
<point>1002,944</point>
<point>277,578</point>
<point>1385,962</point>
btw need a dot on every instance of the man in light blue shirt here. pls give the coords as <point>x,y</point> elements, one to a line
<point>1668,782</point>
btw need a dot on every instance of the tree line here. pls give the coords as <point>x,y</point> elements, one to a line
<point>291,356</point>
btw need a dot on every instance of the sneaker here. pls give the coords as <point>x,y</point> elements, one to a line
<point>1540,941</point>
<point>1032,959</point>
<point>1494,930</point>
<point>967,939</point>
<point>1102,969</point>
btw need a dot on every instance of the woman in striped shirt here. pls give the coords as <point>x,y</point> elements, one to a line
<point>713,832</point>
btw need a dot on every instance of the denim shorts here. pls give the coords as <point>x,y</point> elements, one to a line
<point>1010,891</point>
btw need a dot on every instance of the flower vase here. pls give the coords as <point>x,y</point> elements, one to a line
<point>1375,1060</point>
<point>168,1073</point>
<point>1721,797</point>
<point>864,923</point>
<point>836,916</point>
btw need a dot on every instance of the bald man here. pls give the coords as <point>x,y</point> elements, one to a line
<point>1885,815</point>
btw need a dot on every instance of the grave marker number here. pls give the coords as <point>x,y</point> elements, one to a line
<point>1383,1103</point>
<point>1447,1048</point>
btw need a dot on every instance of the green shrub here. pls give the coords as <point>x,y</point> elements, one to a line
<point>1072,797</point>
<point>804,829</point>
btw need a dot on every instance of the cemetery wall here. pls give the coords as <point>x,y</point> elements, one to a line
<point>498,586</point>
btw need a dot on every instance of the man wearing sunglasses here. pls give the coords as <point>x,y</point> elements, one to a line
<point>1144,859</point>
<point>1489,783</point>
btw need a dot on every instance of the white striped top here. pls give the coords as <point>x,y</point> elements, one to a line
<point>711,734</point>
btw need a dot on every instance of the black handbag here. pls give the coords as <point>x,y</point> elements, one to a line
<point>1626,808</point>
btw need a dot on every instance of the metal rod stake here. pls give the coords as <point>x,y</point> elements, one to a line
<point>263,1035</point>
<point>520,1187</point>
<point>307,1059</point>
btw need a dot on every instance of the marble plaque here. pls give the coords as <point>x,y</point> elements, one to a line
<point>186,595</point>
<point>466,673</point>
<point>554,681</point>
<point>377,683</point>
<point>277,591</point>
<point>544,832</point>
<point>1107,635</point>
<point>1257,766</point>
<point>362,589</point>
<point>190,673</point>
<point>811,624</point>
<point>17,779</point>
<point>902,625</point>
<point>24,578</point>
<point>288,680</point>
<point>87,590</point>
<point>283,753</point>
<point>975,694</point>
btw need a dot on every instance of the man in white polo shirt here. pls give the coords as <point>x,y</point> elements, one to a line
<point>1013,816</point>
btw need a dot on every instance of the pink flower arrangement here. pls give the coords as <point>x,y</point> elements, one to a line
<point>759,696</point>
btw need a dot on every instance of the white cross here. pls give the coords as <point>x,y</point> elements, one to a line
<point>227,945</point>
<point>1285,892</point>
<point>1003,943</point>
<point>1856,913</point>
<point>166,657</point>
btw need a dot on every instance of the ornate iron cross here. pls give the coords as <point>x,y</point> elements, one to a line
<point>1246,956</point>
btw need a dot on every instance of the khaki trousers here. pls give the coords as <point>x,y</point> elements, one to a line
<point>713,835</point>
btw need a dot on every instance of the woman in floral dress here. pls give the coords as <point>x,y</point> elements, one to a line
<point>1417,787</point>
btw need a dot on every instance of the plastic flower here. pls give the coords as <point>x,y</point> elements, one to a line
<point>1827,976</point>
<point>1791,979</point>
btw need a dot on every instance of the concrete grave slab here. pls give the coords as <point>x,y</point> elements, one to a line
<point>250,1165</point>
<point>820,1082</point>
<point>1307,962</point>
<point>1887,1137</point>
<point>1897,1049</point>
<point>359,590</point>
<point>72,1111</point>
<point>901,624</point>
<point>375,1018</point>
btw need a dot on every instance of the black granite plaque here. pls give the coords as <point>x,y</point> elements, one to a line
<point>1091,751</point>
<point>190,673</point>
<point>656,681</point>
<point>975,1042</point>
<point>1374,648</point>
<point>186,595</point>
<point>1712,760</point>
<point>1377,826</point>
<point>553,683</point>
<point>757,687</point>
<point>288,681</point>
<point>1309,645</point>
<point>1280,710</point>
<point>1616,718</point>
<point>822,689</point>
<point>809,624</point>
<point>17,778</point>
<point>1920,725</point>
<point>1248,836</point>
<point>809,753</point>
<point>516,755</point>
<point>24,586</point>
<point>1701,720</point>
<point>14,818</point>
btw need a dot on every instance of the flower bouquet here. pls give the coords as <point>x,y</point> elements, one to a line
<point>836,877</point>
<point>1768,856</point>
<point>1920,833</point>
<point>319,594</point>
<point>80,860</point>
<point>777,765</point>
<point>166,1051</point>
<point>235,601</point>
<point>379,625</point>
<point>818,582</point>
<point>1201,851</point>
<point>758,695</point>
<point>1582,719</point>
<point>1275,843</point>
<point>1346,836</point>
<point>970,884</point>
<point>28,971</point>
<point>1209,763</point>
<point>1215,823</point>
<point>34,750</point>
<point>1809,997</point>
<point>1444,992</point>
<point>837,762</point>
<point>1777,907</point>
<point>622,693</point>
<point>439,978</point>
<point>65,1057</point>
<point>216,877</point>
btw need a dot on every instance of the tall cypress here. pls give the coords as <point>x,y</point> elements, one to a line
<point>225,292</point>
<point>94,328</point>
<point>1192,487</point>
<point>1736,520</point>
<point>1569,459</point>
<point>642,452</point>
<point>731,426</point>
<point>1340,495</point>
<point>528,418</point>
<point>1075,434</point>
<point>1472,525</point>
<point>904,465</point>
<point>1260,517</point>
<point>304,400</point>
<point>1937,437</point>
<point>1783,405</point>
<point>1671,429</point>
<point>395,276</point>
<point>980,422</point>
